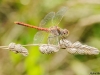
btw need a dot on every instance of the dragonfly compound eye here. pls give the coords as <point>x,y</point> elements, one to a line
<point>65,32</point>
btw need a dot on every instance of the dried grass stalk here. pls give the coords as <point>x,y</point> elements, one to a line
<point>73,48</point>
<point>18,48</point>
<point>48,48</point>
<point>78,48</point>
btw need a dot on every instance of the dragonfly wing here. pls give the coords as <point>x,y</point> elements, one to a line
<point>40,37</point>
<point>59,15</point>
<point>47,19</point>
<point>53,39</point>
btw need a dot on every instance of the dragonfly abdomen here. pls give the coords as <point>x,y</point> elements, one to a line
<point>31,26</point>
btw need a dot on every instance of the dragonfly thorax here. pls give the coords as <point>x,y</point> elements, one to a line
<point>56,31</point>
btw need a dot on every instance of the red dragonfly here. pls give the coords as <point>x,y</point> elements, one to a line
<point>56,33</point>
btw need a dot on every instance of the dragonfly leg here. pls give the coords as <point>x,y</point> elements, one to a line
<point>53,39</point>
<point>50,38</point>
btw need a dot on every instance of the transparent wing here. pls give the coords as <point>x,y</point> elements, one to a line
<point>40,37</point>
<point>53,39</point>
<point>47,19</point>
<point>59,15</point>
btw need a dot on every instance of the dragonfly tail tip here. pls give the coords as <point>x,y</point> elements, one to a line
<point>16,22</point>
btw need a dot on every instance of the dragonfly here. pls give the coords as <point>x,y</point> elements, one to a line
<point>55,32</point>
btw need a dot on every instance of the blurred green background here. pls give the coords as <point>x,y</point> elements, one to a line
<point>82,19</point>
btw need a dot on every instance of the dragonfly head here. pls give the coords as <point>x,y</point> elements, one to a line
<point>64,32</point>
